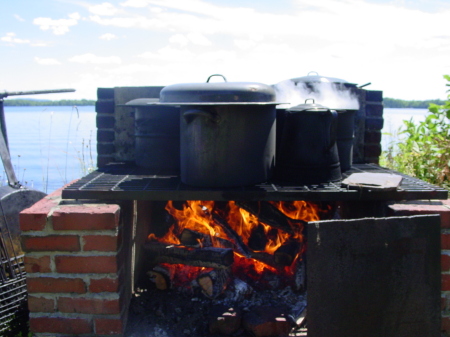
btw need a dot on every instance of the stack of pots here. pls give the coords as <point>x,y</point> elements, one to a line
<point>225,134</point>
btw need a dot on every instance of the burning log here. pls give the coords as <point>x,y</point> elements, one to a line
<point>201,257</point>
<point>270,215</point>
<point>258,239</point>
<point>214,282</point>
<point>192,238</point>
<point>162,277</point>
<point>287,252</point>
<point>240,246</point>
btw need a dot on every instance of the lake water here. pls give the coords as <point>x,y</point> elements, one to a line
<point>51,146</point>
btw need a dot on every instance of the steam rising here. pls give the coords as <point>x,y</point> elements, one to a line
<point>330,95</point>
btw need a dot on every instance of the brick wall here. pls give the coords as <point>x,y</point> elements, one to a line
<point>77,259</point>
<point>441,207</point>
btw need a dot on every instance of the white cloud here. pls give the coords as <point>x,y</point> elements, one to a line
<point>135,3</point>
<point>94,59</point>
<point>60,26</point>
<point>107,37</point>
<point>104,9</point>
<point>47,61</point>
<point>11,38</point>
<point>19,18</point>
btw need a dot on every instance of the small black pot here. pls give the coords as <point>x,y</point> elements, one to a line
<point>307,151</point>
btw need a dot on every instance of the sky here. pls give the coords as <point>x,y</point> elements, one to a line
<point>401,46</point>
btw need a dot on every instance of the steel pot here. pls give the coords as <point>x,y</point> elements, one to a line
<point>227,132</point>
<point>157,136</point>
<point>314,78</point>
<point>307,151</point>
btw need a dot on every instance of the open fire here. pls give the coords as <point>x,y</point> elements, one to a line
<point>228,252</point>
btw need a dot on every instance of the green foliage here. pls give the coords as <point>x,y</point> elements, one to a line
<point>35,102</point>
<point>425,150</point>
<point>401,104</point>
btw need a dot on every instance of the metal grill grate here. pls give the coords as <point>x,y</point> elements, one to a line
<point>126,182</point>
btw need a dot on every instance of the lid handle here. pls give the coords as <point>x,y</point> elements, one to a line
<point>313,72</point>
<point>207,81</point>
<point>309,99</point>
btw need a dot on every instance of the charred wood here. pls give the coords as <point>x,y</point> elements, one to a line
<point>258,239</point>
<point>300,275</point>
<point>286,253</point>
<point>240,246</point>
<point>191,238</point>
<point>267,321</point>
<point>161,277</point>
<point>214,282</point>
<point>270,215</point>
<point>201,257</point>
<point>224,320</point>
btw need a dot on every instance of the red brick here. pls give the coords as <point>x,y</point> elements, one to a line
<point>34,218</point>
<point>445,262</point>
<point>92,306</point>
<point>105,326</point>
<point>63,325</point>
<point>41,304</point>
<point>445,324</point>
<point>37,264</point>
<point>419,209</point>
<point>86,264</point>
<point>445,241</point>
<point>102,243</point>
<point>445,282</point>
<point>67,243</point>
<point>86,217</point>
<point>55,285</point>
<point>104,285</point>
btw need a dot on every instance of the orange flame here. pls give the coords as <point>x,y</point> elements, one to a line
<point>198,216</point>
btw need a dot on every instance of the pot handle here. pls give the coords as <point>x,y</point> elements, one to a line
<point>224,78</point>
<point>189,115</point>
<point>333,129</point>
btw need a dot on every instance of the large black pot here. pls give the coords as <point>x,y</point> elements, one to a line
<point>157,136</point>
<point>307,150</point>
<point>227,132</point>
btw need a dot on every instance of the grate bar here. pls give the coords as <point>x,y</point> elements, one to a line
<point>120,181</point>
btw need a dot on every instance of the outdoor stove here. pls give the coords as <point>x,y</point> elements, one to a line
<point>356,270</point>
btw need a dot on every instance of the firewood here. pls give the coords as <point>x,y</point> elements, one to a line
<point>224,320</point>
<point>162,277</point>
<point>286,253</point>
<point>240,247</point>
<point>191,238</point>
<point>265,258</point>
<point>267,321</point>
<point>241,289</point>
<point>258,239</point>
<point>201,257</point>
<point>214,282</point>
<point>270,215</point>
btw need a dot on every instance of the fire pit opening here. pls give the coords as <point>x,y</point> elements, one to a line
<point>221,263</point>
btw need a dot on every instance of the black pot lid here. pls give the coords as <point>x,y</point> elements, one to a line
<point>310,107</point>
<point>218,93</point>
<point>315,77</point>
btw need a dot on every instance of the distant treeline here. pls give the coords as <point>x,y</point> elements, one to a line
<point>39,102</point>
<point>388,102</point>
<point>399,103</point>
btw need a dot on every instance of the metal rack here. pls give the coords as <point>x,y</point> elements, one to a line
<point>121,181</point>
